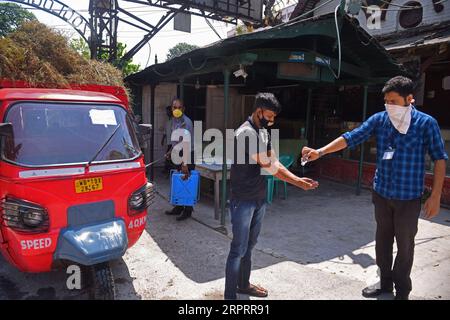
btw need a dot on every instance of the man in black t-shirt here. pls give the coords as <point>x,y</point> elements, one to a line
<point>254,159</point>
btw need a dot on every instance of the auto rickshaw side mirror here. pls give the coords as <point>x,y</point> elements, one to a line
<point>6,129</point>
<point>145,131</point>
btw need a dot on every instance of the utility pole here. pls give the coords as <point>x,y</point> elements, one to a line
<point>103,20</point>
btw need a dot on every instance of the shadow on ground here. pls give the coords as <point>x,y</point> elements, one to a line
<point>308,227</point>
<point>16,285</point>
<point>328,224</point>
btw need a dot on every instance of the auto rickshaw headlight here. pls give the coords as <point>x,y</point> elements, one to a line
<point>24,216</point>
<point>141,199</point>
<point>136,201</point>
<point>32,218</point>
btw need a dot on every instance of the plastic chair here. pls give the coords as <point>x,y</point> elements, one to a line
<point>270,185</point>
<point>287,161</point>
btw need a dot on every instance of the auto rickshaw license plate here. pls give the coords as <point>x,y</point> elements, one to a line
<point>88,185</point>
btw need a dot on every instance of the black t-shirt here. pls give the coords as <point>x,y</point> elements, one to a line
<point>248,182</point>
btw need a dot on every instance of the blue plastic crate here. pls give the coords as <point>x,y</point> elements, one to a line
<point>184,192</point>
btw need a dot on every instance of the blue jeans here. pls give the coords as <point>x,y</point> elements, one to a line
<point>246,219</point>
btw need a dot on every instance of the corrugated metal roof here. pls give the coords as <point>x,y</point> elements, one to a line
<point>418,37</point>
<point>357,45</point>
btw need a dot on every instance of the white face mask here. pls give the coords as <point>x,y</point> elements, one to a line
<point>400,116</point>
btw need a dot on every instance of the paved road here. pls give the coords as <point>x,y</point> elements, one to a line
<point>318,254</point>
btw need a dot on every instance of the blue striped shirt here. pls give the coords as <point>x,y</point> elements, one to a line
<point>401,178</point>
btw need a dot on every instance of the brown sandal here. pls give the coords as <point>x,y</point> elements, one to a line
<point>254,291</point>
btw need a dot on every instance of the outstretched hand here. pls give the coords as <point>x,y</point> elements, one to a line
<point>309,154</point>
<point>307,184</point>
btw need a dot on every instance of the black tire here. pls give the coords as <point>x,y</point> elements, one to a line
<point>86,277</point>
<point>103,287</point>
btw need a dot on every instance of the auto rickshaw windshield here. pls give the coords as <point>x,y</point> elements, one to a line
<point>68,133</point>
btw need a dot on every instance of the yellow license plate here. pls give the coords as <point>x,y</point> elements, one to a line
<point>88,185</point>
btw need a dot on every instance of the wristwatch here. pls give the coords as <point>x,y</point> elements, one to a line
<point>320,153</point>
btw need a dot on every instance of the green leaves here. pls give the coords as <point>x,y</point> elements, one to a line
<point>179,49</point>
<point>128,67</point>
<point>12,16</point>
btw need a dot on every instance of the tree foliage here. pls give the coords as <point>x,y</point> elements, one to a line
<point>179,49</point>
<point>82,48</point>
<point>12,16</point>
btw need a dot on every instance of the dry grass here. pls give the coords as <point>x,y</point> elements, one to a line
<point>39,55</point>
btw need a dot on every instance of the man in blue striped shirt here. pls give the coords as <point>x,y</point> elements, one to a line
<point>404,135</point>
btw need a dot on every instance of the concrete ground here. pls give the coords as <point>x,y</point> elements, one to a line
<point>314,245</point>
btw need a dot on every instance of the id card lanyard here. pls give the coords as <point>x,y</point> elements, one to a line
<point>390,151</point>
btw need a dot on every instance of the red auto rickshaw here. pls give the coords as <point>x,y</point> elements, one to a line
<point>73,186</point>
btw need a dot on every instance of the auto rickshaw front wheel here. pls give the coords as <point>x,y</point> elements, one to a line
<point>99,280</point>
